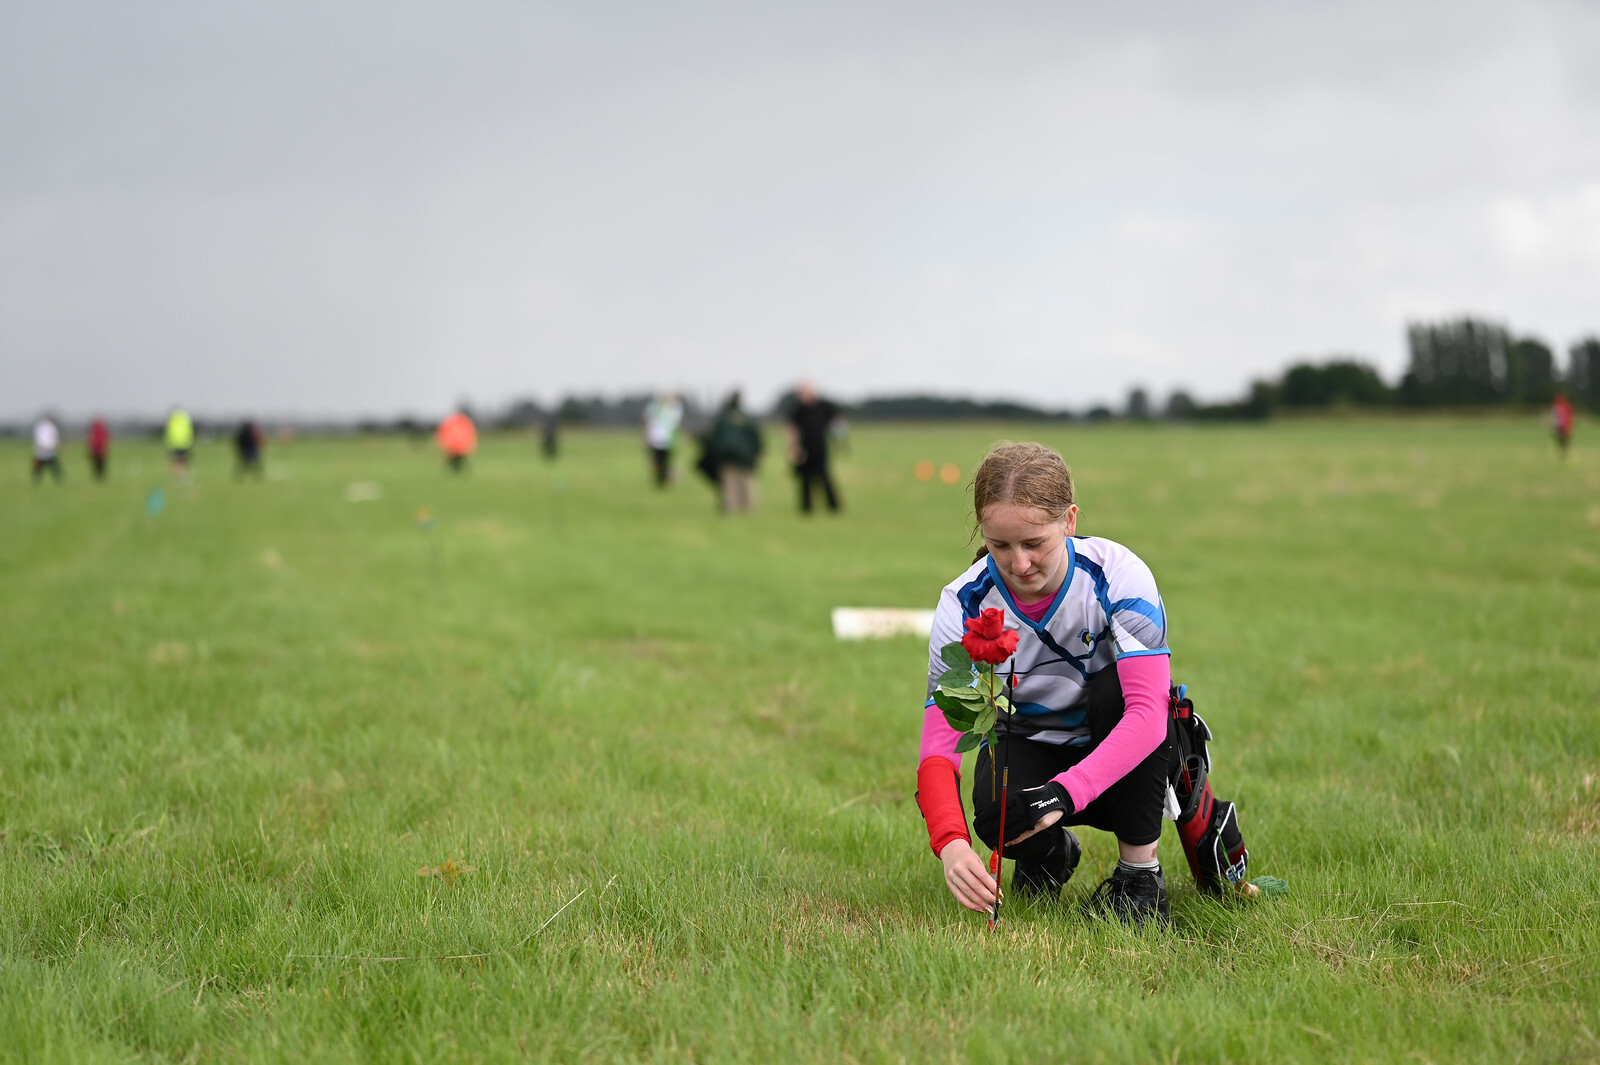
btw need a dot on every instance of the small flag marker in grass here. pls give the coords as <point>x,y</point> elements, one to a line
<point>448,870</point>
<point>424,518</point>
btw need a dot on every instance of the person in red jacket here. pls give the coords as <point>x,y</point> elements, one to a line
<point>99,448</point>
<point>1561,422</point>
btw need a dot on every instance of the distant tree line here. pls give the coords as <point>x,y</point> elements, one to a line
<point>944,408</point>
<point>1464,362</point>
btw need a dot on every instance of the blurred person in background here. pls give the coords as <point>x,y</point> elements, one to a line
<point>663,415</point>
<point>550,437</point>
<point>46,449</point>
<point>1561,422</point>
<point>247,443</point>
<point>179,438</point>
<point>732,449</point>
<point>458,439</point>
<point>99,448</point>
<point>811,424</point>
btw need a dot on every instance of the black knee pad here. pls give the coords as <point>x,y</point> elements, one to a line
<point>1044,870</point>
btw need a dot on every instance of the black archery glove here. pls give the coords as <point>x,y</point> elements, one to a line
<point>1024,809</point>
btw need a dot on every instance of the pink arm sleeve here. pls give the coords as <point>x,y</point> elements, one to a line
<point>938,738</point>
<point>1145,683</point>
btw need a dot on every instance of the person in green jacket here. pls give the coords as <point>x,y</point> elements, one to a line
<point>180,441</point>
<point>733,447</point>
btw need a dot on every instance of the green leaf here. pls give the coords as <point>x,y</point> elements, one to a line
<point>956,715</point>
<point>951,705</point>
<point>967,742</point>
<point>956,678</point>
<point>960,724</point>
<point>1002,703</point>
<point>955,656</point>
<point>970,696</point>
<point>984,722</point>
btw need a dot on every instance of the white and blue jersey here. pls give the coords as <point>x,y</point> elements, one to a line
<point>1106,609</point>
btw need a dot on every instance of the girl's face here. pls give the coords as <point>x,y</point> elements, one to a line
<point>1029,549</point>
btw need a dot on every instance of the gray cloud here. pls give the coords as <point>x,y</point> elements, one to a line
<point>369,207</point>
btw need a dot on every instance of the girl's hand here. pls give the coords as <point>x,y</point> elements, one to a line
<point>967,877</point>
<point>1038,807</point>
<point>1043,823</point>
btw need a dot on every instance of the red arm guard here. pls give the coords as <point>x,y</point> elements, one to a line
<point>939,797</point>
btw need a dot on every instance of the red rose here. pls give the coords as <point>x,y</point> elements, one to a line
<point>988,639</point>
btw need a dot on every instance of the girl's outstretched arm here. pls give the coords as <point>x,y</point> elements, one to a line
<point>939,782</point>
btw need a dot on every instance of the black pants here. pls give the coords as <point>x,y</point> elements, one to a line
<point>815,471</point>
<point>1130,809</point>
<point>52,463</point>
<point>661,461</point>
<point>97,461</point>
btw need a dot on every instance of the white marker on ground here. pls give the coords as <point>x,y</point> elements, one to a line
<point>872,623</point>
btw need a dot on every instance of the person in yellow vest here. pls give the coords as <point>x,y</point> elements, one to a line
<point>180,441</point>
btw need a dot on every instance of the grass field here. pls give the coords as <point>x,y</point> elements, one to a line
<point>232,733</point>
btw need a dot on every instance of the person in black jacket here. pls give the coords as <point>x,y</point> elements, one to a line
<point>247,446</point>
<point>810,425</point>
<point>732,449</point>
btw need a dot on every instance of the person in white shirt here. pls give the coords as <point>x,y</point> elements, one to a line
<point>46,449</point>
<point>662,418</point>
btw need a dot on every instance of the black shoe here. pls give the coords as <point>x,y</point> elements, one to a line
<point>1043,877</point>
<point>1132,896</point>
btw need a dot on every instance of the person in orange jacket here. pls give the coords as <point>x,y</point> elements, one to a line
<point>458,438</point>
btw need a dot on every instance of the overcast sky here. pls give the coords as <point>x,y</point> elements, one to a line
<point>342,208</point>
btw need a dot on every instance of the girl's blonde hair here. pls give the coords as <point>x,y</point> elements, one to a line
<point>1027,475</point>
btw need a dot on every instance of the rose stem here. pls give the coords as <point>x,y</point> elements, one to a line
<point>994,767</point>
<point>1005,788</point>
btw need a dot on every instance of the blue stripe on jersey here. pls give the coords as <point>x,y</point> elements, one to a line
<point>1144,607</point>
<point>1142,654</point>
<point>1066,582</point>
<point>972,593</point>
<point>1075,661</point>
<point>1073,717</point>
<point>1102,588</point>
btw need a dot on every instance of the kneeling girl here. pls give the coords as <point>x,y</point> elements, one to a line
<point>1088,737</point>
